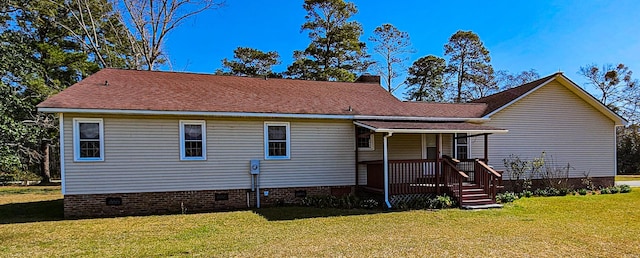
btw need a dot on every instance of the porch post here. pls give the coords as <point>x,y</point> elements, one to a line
<point>385,163</point>
<point>486,148</point>
<point>438,155</point>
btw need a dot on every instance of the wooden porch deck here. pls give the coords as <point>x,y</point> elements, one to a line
<point>468,181</point>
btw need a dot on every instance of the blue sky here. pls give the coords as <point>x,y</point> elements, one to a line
<point>547,36</point>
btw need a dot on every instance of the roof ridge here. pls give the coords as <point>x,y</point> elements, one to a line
<point>442,103</point>
<point>231,75</point>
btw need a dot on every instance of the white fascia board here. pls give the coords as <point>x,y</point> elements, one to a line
<point>386,130</point>
<point>519,98</point>
<point>250,114</point>
<point>421,118</point>
<point>191,113</point>
<point>364,125</point>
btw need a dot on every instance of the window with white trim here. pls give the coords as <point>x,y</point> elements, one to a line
<point>462,146</point>
<point>364,138</point>
<point>193,140</point>
<point>88,139</point>
<point>277,140</point>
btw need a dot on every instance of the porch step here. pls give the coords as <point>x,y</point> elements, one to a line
<point>472,190</point>
<point>474,196</point>
<point>482,206</point>
<point>477,201</point>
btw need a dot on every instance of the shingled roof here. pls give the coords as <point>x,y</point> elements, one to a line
<point>116,89</point>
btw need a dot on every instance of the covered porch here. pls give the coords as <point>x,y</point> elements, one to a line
<point>413,158</point>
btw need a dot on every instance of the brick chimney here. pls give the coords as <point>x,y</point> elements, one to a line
<point>368,78</point>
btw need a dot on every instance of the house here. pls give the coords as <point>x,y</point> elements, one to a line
<point>143,142</point>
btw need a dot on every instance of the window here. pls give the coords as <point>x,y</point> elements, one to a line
<point>364,138</point>
<point>462,146</point>
<point>193,140</point>
<point>88,139</point>
<point>431,151</point>
<point>276,140</point>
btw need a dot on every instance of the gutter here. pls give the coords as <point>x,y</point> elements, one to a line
<point>256,114</point>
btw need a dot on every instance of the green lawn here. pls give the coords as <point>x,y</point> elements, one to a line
<point>627,178</point>
<point>599,225</point>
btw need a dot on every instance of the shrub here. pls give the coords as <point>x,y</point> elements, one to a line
<point>614,189</point>
<point>419,203</point>
<point>5,178</point>
<point>552,191</point>
<point>605,190</point>
<point>587,181</point>
<point>328,201</point>
<point>625,188</point>
<point>582,191</point>
<point>369,204</point>
<point>18,176</point>
<point>506,197</point>
<point>563,191</point>
<point>527,193</point>
<point>442,202</point>
<point>540,192</point>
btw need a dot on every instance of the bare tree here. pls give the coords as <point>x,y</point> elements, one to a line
<point>101,31</point>
<point>394,46</point>
<point>617,89</point>
<point>152,20</point>
<point>612,81</point>
<point>507,80</point>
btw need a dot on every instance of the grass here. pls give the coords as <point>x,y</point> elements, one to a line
<point>598,225</point>
<point>627,178</point>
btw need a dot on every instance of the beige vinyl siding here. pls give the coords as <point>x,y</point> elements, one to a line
<point>554,120</point>
<point>401,146</point>
<point>447,144</point>
<point>142,154</point>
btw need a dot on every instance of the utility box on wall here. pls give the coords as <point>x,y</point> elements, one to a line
<point>254,167</point>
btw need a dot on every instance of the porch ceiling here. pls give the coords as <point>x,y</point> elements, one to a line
<point>426,127</point>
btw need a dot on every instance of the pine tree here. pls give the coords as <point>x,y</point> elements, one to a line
<point>335,52</point>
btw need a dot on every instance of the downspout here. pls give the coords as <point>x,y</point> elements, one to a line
<point>385,163</point>
<point>62,143</point>
<point>356,156</point>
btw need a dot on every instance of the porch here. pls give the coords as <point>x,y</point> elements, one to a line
<point>470,182</point>
<point>420,160</point>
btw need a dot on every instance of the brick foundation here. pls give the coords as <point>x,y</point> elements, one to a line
<point>573,183</point>
<point>126,204</point>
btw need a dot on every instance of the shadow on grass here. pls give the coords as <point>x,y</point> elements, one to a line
<point>31,212</point>
<point>292,213</point>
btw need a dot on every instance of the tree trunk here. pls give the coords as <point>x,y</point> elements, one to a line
<point>44,163</point>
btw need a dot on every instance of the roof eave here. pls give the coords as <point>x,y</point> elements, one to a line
<point>392,130</point>
<point>428,131</point>
<point>255,114</point>
<point>425,119</point>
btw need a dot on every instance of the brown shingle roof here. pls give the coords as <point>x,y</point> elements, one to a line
<point>173,91</point>
<point>502,98</point>
<point>454,110</point>
<point>391,125</point>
